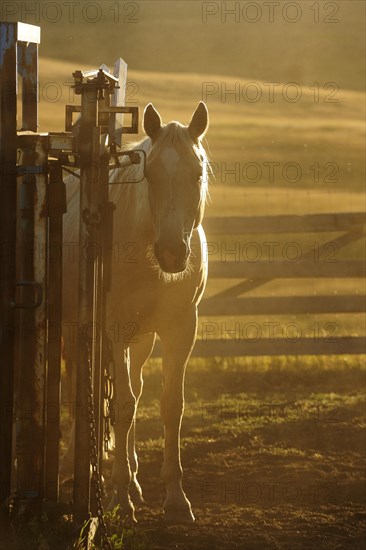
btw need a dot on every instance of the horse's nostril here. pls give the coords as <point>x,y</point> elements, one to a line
<point>179,250</point>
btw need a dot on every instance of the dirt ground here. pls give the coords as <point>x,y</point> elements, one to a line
<point>273,458</point>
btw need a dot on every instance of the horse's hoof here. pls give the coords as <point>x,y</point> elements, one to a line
<point>174,515</point>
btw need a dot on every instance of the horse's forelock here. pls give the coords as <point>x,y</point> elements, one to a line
<point>174,134</point>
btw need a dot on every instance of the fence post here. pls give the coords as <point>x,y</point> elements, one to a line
<point>8,152</point>
<point>56,209</point>
<point>31,371</point>
<point>89,140</point>
<point>19,53</point>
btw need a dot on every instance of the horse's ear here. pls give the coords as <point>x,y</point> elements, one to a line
<point>151,121</point>
<point>199,122</point>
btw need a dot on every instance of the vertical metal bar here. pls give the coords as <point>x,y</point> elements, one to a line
<point>33,267</point>
<point>56,209</point>
<point>29,73</point>
<point>8,201</point>
<point>89,139</point>
<point>115,135</point>
<point>33,321</point>
<point>98,372</point>
<point>40,259</point>
<point>118,100</point>
<point>100,303</point>
<point>27,437</point>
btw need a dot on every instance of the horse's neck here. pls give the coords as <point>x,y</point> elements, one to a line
<point>133,212</point>
<point>132,200</point>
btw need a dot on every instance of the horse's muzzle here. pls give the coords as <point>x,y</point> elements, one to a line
<point>172,259</point>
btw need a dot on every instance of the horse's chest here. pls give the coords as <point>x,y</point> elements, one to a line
<point>134,300</point>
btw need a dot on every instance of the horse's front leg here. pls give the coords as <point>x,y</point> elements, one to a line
<point>177,342</point>
<point>126,407</point>
<point>140,352</point>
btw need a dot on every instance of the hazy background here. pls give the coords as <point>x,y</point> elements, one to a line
<point>177,50</point>
<point>172,36</point>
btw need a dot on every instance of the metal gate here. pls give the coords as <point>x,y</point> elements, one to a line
<point>32,202</point>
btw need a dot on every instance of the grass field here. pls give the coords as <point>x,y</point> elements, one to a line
<point>273,455</point>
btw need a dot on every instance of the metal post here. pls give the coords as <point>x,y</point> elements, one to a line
<point>8,152</point>
<point>118,100</point>
<point>28,69</point>
<point>100,298</point>
<point>30,409</point>
<point>18,51</point>
<point>32,240</point>
<point>89,140</point>
<point>56,209</point>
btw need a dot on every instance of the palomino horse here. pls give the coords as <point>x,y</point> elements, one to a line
<point>158,280</point>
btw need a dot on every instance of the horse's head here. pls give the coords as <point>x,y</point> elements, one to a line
<point>176,171</point>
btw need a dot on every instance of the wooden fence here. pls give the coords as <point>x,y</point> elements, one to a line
<point>347,227</point>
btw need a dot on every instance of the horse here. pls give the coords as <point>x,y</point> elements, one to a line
<point>157,282</point>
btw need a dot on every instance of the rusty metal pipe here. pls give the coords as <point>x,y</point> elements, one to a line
<point>89,139</point>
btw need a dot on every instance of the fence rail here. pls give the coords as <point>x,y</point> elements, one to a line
<point>310,223</point>
<point>349,345</point>
<point>232,301</point>
<point>286,269</point>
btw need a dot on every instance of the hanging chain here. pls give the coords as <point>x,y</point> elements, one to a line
<point>109,413</point>
<point>96,477</point>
